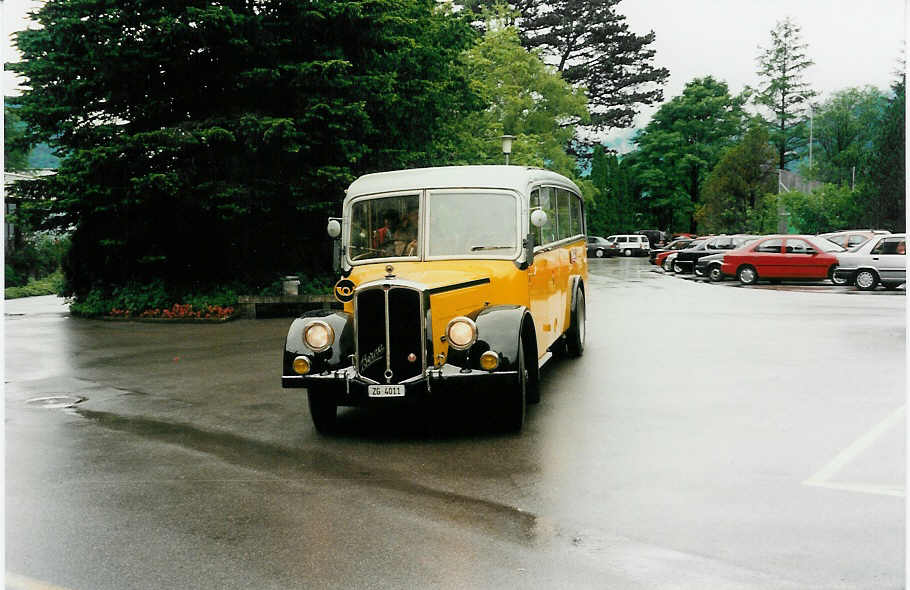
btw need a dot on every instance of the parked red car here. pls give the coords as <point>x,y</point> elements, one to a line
<point>782,257</point>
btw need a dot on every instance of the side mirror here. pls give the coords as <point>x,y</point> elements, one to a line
<point>334,227</point>
<point>538,218</point>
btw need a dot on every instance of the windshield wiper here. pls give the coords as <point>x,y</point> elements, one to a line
<point>476,248</point>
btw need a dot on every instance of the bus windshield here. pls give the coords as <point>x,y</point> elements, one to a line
<point>385,227</point>
<point>473,223</point>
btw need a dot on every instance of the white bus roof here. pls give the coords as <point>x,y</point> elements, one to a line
<point>517,178</point>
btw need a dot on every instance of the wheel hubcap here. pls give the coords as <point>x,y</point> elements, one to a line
<point>747,275</point>
<point>864,279</point>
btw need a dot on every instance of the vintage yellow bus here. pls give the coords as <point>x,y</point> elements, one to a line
<point>454,280</point>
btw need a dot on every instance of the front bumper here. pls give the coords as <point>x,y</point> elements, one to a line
<point>350,389</point>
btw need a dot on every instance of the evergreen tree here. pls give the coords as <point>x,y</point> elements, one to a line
<point>618,206</point>
<point>885,204</point>
<point>733,191</point>
<point>591,45</point>
<point>208,142</point>
<point>783,90</point>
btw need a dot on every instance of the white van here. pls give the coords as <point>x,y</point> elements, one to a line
<point>629,245</point>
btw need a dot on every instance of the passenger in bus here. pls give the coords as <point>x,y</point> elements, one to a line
<point>384,234</point>
<point>405,236</point>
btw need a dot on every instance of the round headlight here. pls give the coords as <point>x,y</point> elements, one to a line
<point>318,336</point>
<point>461,333</point>
<point>489,360</point>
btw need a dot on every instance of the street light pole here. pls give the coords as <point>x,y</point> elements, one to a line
<point>811,113</point>
<point>507,146</point>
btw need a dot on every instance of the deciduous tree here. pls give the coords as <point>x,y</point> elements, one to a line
<point>523,97</point>
<point>683,142</point>
<point>885,204</point>
<point>591,45</point>
<point>844,129</point>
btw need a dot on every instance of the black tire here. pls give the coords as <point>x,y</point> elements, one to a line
<point>714,273</point>
<point>515,400</point>
<point>866,280</point>
<point>678,268</point>
<point>891,286</point>
<point>575,335</point>
<point>627,252</point>
<point>323,410</point>
<point>599,253</point>
<point>747,275</point>
<point>667,265</point>
<point>834,279</point>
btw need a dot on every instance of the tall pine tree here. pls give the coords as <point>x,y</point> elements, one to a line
<point>590,44</point>
<point>784,91</point>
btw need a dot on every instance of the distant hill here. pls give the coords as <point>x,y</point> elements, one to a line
<point>42,157</point>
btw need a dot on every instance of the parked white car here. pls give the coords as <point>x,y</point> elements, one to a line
<point>850,238</point>
<point>881,260</point>
<point>630,245</point>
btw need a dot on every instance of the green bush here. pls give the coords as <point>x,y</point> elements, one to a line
<point>49,285</point>
<point>11,278</point>
<point>39,255</point>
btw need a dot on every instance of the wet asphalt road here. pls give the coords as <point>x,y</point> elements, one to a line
<point>711,437</point>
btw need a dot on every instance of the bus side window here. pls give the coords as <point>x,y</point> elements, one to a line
<point>563,214</point>
<point>548,204</point>
<point>578,226</point>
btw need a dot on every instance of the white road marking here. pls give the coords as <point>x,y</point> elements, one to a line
<point>19,582</point>
<point>823,476</point>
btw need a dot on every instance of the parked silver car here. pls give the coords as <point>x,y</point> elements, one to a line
<point>881,260</point>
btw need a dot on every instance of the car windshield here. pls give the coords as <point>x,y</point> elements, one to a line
<point>473,223</point>
<point>384,227</point>
<point>679,245</point>
<point>696,245</point>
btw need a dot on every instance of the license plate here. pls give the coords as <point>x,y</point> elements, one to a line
<point>385,390</point>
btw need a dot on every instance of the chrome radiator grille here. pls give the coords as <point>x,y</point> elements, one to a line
<point>389,331</point>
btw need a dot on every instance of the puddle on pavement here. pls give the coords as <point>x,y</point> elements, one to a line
<point>56,402</point>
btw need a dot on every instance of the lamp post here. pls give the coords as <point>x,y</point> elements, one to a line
<point>811,111</point>
<point>507,146</point>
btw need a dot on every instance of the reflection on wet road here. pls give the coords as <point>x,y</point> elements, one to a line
<point>673,453</point>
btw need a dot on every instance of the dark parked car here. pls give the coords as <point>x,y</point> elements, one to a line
<point>679,244</point>
<point>597,246</point>
<point>655,237</point>
<point>709,266</point>
<point>783,257</point>
<point>686,259</point>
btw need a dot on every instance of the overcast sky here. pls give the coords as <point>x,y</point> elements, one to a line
<point>853,43</point>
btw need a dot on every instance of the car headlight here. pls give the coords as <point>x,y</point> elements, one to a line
<point>318,336</point>
<point>461,333</point>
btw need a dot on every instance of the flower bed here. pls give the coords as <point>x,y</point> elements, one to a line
<point>176,312</point>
